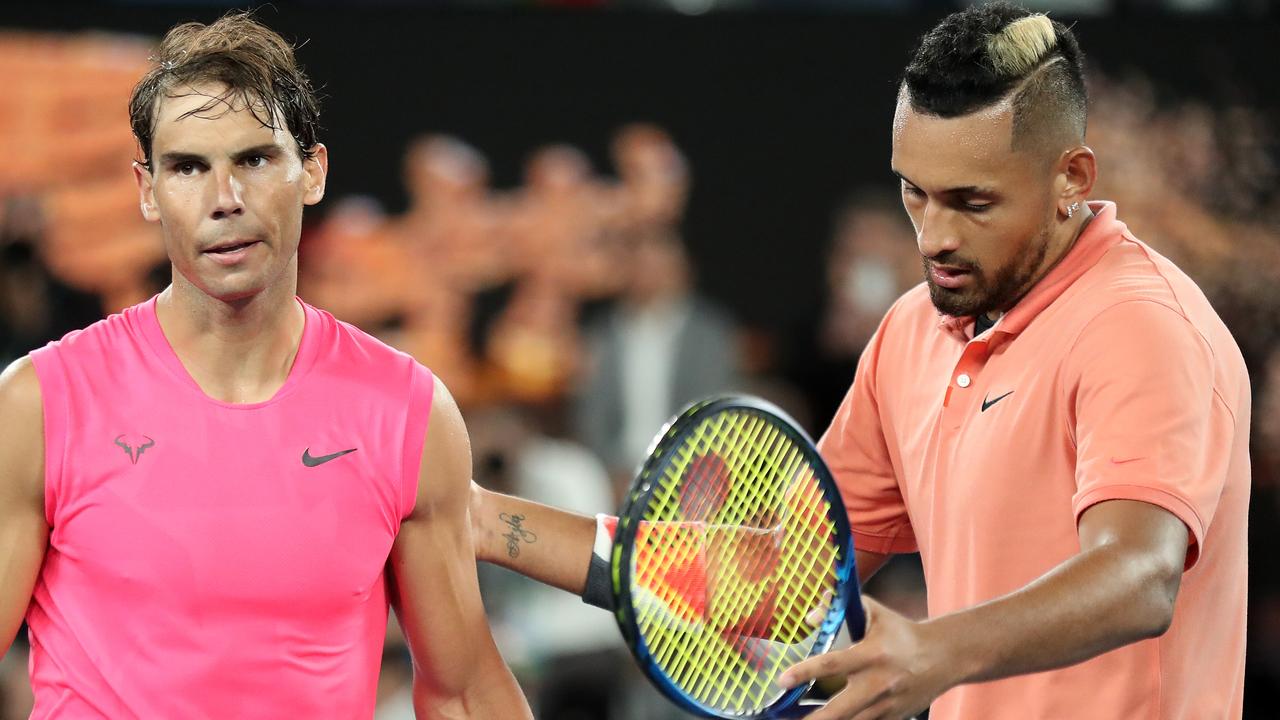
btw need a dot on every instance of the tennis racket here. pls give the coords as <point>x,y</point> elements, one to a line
<point>732,560</point>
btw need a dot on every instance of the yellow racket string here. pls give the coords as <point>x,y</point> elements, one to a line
<point>729,598</point>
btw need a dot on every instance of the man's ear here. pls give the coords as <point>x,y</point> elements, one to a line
<point>317,170</point>
<point>1077,172</point>
<point>146,192</point>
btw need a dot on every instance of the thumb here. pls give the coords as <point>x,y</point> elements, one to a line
<point>872,608</point>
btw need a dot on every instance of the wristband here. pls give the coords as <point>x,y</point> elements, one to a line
<point>599,588</point>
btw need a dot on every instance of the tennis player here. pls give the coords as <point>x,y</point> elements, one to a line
<point>1056,419</point>
<point>208,501</point>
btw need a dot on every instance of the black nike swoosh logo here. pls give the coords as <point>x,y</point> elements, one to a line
<point>310,461</point>
<point>988,403</point>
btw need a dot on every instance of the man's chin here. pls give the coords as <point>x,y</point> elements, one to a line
<point>233,290</point>
<point>954,303</point>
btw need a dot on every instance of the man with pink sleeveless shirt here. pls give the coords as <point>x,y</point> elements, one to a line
<point>209,500</point>
<point>1057,420</point>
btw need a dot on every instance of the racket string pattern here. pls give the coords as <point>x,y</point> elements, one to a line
<point>735,564</point>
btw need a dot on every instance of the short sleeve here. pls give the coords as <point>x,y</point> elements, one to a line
<point>1146,421</point>
<point>854,448</point>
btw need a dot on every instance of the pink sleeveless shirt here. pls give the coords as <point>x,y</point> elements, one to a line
<point>210,560</point>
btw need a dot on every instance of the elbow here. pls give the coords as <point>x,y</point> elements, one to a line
<point>1159,598</point>
<point>1157,621</point>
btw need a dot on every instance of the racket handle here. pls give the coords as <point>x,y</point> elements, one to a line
<point>598,590</point>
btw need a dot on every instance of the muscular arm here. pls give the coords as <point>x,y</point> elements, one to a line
<point>562,553</point>
<point>1119,589</point>
<point>458,672</point>
<point>24,533</point>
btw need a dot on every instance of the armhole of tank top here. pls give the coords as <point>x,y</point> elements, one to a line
<point>55,414</point>
<point>417,419</point>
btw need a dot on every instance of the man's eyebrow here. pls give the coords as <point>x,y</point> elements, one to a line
<point>177,158</point>
<point>263,149</point>
<point>960,190</point>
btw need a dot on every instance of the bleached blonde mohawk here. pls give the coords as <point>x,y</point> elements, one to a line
<point>1021,45</point>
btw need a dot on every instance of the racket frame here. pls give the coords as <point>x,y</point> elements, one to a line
<point>845,606</point>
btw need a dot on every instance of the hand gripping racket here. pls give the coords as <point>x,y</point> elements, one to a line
<point>732,559</point>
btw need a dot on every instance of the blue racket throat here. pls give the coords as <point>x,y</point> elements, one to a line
<point>733,560</point>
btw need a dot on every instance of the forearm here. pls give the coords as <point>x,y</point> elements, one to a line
<point>1097,601</point>
<point>493,694</point>
<point>547,544</point>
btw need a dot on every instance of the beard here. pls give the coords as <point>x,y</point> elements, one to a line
<point>997,289</point>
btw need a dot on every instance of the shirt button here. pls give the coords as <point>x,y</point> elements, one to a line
<point>963,381</point>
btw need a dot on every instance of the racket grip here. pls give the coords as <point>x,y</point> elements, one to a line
<point>598,590</point>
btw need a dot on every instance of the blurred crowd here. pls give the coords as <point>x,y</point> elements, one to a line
<point>565,316</point>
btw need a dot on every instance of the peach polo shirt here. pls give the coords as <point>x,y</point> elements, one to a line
<point>1113,378</point>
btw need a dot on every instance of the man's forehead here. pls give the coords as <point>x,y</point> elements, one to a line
<point>952,151</point>
<point>200,110</point>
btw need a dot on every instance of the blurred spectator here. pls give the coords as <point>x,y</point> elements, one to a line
<point>35,306</point>
<point>65,143</point>
<point>558,222</point>
<point>533,349</point>
<point>871,261</point>
<point>452,227</point>
<point>350,267</point>
<point>660,348</point>
<point>653,175</point>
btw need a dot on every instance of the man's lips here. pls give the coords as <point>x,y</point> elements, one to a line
<point>230,246</point>
<point>231,253</point>
<point>949,276</point>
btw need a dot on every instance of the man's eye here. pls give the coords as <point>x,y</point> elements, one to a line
<point>255,161</point>
<point>186,168</point>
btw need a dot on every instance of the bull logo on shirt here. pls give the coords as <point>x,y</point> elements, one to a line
<point>134,450</point>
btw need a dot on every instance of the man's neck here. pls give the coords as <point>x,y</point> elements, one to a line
<point>1069,234</point>
<point>237,352</point>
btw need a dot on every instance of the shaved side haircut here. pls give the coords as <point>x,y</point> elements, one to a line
<point>996,52</point>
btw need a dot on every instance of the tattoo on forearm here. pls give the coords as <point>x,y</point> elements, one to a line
<point>518,533</point>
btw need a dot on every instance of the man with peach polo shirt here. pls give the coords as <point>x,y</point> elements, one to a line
<point>1057,420</point>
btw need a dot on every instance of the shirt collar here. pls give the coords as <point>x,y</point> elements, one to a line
<point>1102,233</point>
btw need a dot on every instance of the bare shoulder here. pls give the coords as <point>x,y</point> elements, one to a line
<point>20,397</point>
<point>444,475</point>
<point>22,443</point>
<point>19,380</point>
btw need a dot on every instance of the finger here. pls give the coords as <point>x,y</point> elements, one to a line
<point>836,662</point>
<point>857,699</point>
<point>819,613</point>
<point>872,609</point>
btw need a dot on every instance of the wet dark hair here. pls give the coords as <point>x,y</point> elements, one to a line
<point>256,65</point>
<point>975,58</point>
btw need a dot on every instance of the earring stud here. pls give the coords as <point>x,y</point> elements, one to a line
<point>1071,209</point>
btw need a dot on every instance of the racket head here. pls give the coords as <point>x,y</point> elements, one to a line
<point>732,559</point>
